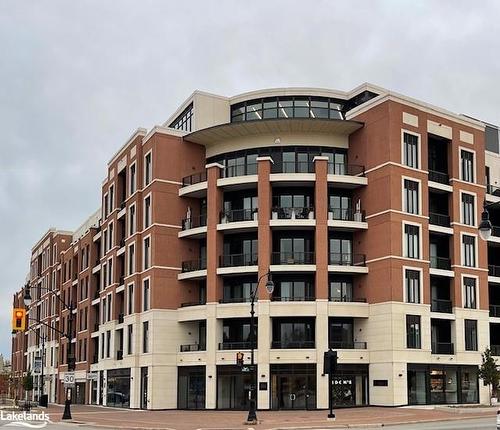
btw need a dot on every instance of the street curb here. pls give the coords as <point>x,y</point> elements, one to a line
<point>320,427</point>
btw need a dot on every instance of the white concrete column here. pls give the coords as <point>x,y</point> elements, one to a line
<point>321,347</point>
<point>263,348</point>
<point>135,387</point>
<point>213,336</point>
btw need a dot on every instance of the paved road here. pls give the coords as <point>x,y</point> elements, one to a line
<point>466,424</point>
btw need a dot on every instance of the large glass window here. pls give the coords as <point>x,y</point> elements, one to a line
<point>293,250</point>
<point>411,199</point>
<point>341,250</point>
<point>118,388</point>
<point>469,251</point>
<point>184,121</point>
<point>293,289</point>
<point>233,387</point>
<point>238,290</point>
<point>236,333</point>
<point>410,150</point>
<point>291,333</point>
<point>468,216</point>
<point>341,333</point>
<point>412,283</point>
<point>470,335</point>
<point>467,164</point>
<point>413,332</point>
<point>340,207</point>
<point>191,387</point>
<point>341,289</point>
<point>412,241</point>
<point>470,293</point>
<point>292,205</point>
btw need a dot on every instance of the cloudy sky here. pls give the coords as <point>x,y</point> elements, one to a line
<point>77,77</point>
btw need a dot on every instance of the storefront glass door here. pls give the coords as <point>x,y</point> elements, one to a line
<point>293,386</point>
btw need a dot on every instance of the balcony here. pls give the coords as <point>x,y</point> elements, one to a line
<point>439,177</point>
<point>495,311</point>
<point>194,265</point>
<point>444,348</point>
<point>337,214</point>
<point>229,300</point>
<point>242,169</point>
<point>347,345</point>
<point>238,215</point>
<point>188,304</point>
<point>494,270</point>
<point>493,190</point>
<point>441,305</point>
<point>346,259</point>
<point>441,263</point>
<point>193,179</point>
<point>293,298</point>
<point>292,213</point>
<point>346,169</point>
<point>236,260</point>
<point>495,231</point>
<point>224,346</point>
<point>194,222</point>
<point>291,258</point>
<point>441,220</point>
<point>192,347</point>
<point>293,344</point>
<point>293,167</point>
<point>346,299</point>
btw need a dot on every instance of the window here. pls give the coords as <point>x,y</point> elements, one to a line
<point>467,165</point>
<point>412,286</point>
<point>130,299</point>
<point>147,257</point>
<point>145,336</point>
<point>469,251</point>
<point>470,335</point>
<point>184,120</point>
<point>105,205</point>
<point>341,289</point>
<point>102,345</point>
<point>470,293</point>
<point>131,220</point>
<point>108,344</point>
<point>147,212</point>
<point>133,179</point>
<point>410,150</point>
<point>468,209</point>
<point>131,259</point>
<point>145,295</point>
<point>147,169</point>
<point>110,272</point>
<point>111,198</point>
<point>411,241</point>
<point>413,334</point>
<point>130,345</point>
<point>110,308</point>
<point>411,199</point>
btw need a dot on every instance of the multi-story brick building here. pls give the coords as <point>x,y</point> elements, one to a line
<point>363,206</point>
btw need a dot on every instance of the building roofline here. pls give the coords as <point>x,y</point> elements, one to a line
<point>51,230</point>
<point>138,132</point>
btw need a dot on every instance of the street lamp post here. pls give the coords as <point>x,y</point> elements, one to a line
<point>252,413</point>
<point>485,227</point>
<point>69,356</point>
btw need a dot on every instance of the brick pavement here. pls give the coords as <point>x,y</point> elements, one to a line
<point>229,420</point>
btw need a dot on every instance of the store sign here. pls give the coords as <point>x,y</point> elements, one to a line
<point>92,376</point>
<point>37,366</point>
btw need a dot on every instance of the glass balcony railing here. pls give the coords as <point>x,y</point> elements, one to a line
<point>195,178</point>
<point>441,305</point>
<point>293,258</point>
<point>194,222</point>
<point>347,259</point>
<point>234,260</point>
<point>443,263</point>
<point>439,219</point>
<point>439,177</point>
<point>192,265</point>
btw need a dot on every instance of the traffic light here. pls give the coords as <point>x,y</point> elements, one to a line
<point>330,362</point>
<point>18,319</point>
<point>239,358</point>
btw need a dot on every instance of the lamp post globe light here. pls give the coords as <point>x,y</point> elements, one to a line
<point>252,408</point>
<point>485,226</point>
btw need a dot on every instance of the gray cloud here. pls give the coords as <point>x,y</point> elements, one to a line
<point>77,78</point>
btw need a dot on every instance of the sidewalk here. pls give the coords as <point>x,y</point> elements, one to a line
<point>229,420</point>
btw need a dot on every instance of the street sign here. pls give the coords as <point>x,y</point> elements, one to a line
<point>69,379</point>
<point>247,369</point>
<point>37,366</point>
<point>92,376</point>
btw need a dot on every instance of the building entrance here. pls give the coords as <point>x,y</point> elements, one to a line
<point>293,386</point>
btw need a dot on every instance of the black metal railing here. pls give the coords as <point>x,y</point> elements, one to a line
<point>198,303</point>
<point>346,169</point>
<point>495,231</point>
<point>346,299</point>
<point>493,190</point>
<point>293,167</point>
<point>293,298</point>
<point>240,170</point>
<point>292,344</point>
<point>294,213</point>
<point>236,345</point>
<point>440,177</point>
<point>495,349</point>
<point>346,259</point>
<point>235,300</point>
<point>495,311</point>
<point>192,347</point>
<point>494,270</point>
<point>236,215</point>
<point>192,265</point>
<point>443,263</point>
<point>441,305</point>
<point>442,348</point>
<point>234,260</point>
<point>293,258</point>
<point>350,214</point>
<point>439,219</point>
<point>194,221</point>
<point>347,345</point>
<point>195,178</point>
